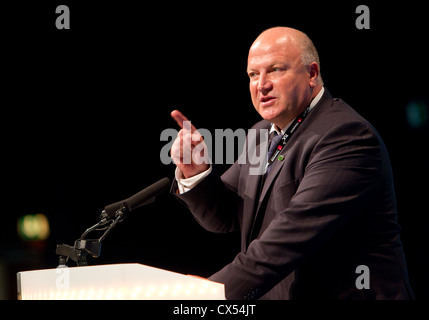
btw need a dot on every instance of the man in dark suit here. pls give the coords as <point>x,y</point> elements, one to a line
<point>322,211</point>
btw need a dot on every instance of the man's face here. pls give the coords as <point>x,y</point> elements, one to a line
<point>279,82</point>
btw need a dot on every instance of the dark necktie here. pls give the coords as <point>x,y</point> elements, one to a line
<point>274,141</point>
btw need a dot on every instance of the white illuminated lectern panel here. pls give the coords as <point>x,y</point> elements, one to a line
<point>114,282</point>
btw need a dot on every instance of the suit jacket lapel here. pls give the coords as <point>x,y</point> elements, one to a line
<point>276,166</point>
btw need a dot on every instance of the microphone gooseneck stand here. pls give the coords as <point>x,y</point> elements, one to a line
<point>82,247</point>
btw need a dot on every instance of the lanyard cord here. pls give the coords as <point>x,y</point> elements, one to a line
<point>289,132</point>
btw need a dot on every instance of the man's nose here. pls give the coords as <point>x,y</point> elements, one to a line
<point>264,85</point>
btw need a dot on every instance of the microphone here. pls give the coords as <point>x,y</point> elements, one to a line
<point>144,197</point>
<point>111,216</point>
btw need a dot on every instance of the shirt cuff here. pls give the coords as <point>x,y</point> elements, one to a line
<point>185,185</point>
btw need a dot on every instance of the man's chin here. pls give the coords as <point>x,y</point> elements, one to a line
<point>269,116</point>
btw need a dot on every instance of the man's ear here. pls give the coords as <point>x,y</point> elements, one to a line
<point>314,72</point>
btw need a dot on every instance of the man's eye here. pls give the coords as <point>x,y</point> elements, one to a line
<point>252,75</point>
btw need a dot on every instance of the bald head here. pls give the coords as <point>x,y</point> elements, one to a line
<point>284,38</point>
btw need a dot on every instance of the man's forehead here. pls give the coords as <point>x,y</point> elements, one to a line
<point>267,59</point>
<point>270,58</point>
<point>282,48</point>
<point>273,41</point>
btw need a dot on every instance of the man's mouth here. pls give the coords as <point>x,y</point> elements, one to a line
<point>267,100</point>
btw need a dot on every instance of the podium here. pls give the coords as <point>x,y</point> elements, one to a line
<point>114,282</point>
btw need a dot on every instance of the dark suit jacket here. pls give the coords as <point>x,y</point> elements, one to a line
<point>328,208</point>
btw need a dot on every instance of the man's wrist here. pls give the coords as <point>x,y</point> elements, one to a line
<point>186,184</point>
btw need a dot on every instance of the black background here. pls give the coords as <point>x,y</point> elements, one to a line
<point>83,110</point>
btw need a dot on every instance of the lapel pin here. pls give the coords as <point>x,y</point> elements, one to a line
<point>281,158</point>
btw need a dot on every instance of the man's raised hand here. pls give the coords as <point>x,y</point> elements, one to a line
<point>189,152</point>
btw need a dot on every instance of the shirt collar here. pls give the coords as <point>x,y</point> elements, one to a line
<point>312,105</point>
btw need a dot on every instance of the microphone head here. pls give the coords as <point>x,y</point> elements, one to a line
<point>142,198</point>
<point>147,195</point>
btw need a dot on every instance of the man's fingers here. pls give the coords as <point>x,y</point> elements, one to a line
<point>180,119</point>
